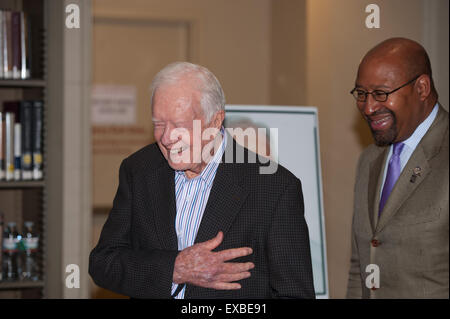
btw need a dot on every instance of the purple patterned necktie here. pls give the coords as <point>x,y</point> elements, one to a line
<point>392,175</point>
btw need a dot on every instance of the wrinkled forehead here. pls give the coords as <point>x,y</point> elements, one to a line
<point>176,101</point>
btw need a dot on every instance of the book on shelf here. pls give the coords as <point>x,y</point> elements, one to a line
<point>21,146</point>
<point>2,219</point>
<point>2,37</point>
<point>9,145</point>
<point>26,113</point>
<point>36,124</point>
<point>14,45</point>
<point>2,147</point>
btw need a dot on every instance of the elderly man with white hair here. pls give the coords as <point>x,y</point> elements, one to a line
<point>188,221</point>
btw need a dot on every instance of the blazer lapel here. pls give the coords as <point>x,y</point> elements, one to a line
<point>164,206</point>
<point>224,202</point>
<point>428,147</point>
<point>225,199</point>
<point>405,186</point>
<point>375,180</point>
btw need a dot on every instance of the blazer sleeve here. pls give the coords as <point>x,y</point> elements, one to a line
<point>288,247</point>
<point>115,265</point>
<point>354,285</point>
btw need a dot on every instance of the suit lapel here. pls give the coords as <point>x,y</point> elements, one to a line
<point>164,206</point>
<point>428,147</point>
<point>404,186</point>
<point>225,199</point>
<point>375,180</point>
<point>224,202</point>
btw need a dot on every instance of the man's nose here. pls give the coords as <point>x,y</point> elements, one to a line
<point>371,105</point>
<point>173,134</point>
<point>167,138</point>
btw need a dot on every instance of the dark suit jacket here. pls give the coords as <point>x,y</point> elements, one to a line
<point>137,248</point>
<point>409,242</point>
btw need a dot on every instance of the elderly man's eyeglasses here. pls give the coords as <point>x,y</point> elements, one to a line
<point>378,95</point>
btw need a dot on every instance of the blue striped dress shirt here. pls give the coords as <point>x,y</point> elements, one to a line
<point>191,196</point>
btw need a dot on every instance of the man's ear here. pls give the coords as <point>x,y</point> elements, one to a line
<point>423,87</point>
<point>218,119</point>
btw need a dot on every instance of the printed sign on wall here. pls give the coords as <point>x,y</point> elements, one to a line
<point>113,105</point>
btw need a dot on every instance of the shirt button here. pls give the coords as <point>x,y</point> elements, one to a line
<point>375,243</point>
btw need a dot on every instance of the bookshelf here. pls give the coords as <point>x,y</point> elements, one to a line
<point>22,200</point>
<point>59,203</point>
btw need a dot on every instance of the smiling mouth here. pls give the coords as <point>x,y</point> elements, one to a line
<point>379,122</point>
<point>383,125</point>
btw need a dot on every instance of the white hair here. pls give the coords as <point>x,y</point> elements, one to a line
<point>212,96</point>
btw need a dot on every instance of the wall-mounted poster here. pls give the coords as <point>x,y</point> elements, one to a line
<point>289,135</point>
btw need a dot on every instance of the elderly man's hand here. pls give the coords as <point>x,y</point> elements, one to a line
<point>200,266</point>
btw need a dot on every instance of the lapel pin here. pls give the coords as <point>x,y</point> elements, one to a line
<point>416,172</point>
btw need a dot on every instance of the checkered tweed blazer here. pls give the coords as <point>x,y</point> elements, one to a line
<point>137,248</point>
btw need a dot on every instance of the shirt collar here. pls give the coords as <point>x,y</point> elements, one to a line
<point>422,129</point>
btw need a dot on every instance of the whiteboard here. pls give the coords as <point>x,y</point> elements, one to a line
<point>294,143</point>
